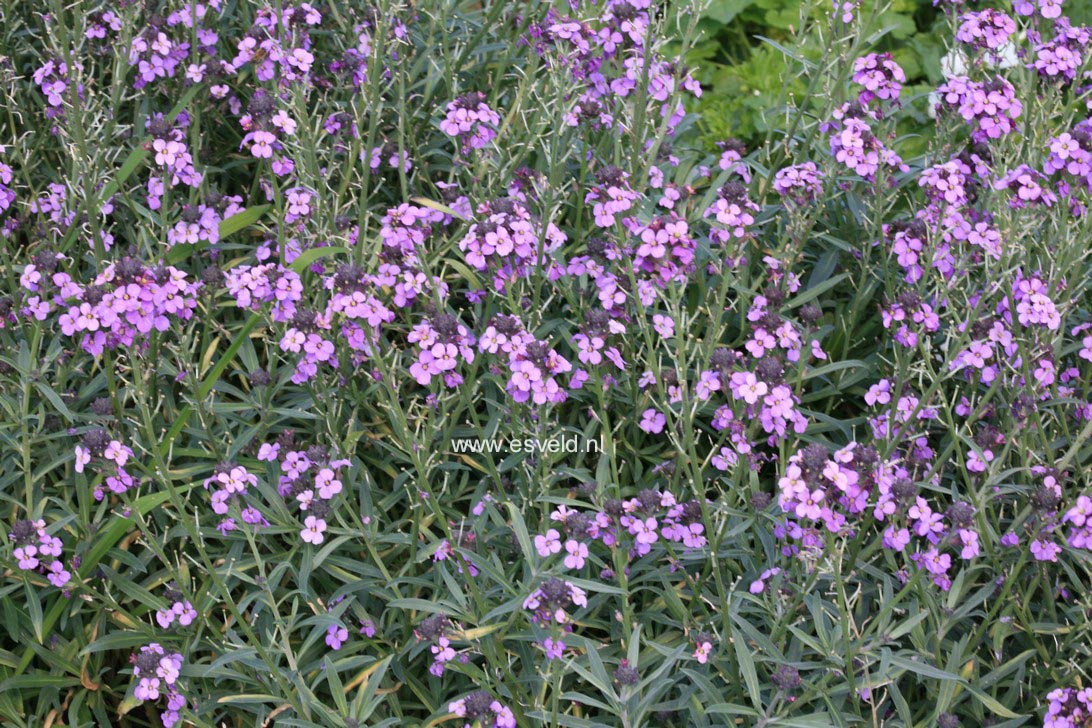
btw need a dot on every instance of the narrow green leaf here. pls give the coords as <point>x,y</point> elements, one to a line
<point>308,257</point>
<point>241,220</point>
<point>747,668</point>
<point>437,206</point>
<point>218,369</point>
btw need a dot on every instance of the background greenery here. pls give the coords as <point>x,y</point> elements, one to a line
<point>741,63</point>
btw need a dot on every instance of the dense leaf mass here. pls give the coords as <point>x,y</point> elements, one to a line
<point>419,363</point>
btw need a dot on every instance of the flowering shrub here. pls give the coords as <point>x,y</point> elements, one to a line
<point>301,300</point>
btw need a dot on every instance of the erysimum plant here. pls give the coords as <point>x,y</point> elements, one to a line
<point>412,364</point>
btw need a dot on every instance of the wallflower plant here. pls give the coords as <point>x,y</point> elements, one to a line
<point>265,262</point>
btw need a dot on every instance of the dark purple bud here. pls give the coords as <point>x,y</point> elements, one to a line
<point>626,675</point>
<point>786,679</point>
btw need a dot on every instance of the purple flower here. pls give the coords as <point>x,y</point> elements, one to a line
<point>26,556</point>
<point>881,77</point>
<point>555,649</point>
<point>157,672</point>
<point>1045,550</point>
<point>576,554</point>
<point>552,601</point>
<point>336,636</point>
<point>1068,708</point>
<point>471,121</point>
<point>313,530</point>
<point>548,544</point>
<point>799,183</point>
<point>482,709</point>
<point>989,28</point>
<point>652,421</point>
<point>57,574</point>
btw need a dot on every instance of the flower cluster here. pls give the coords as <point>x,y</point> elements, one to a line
<point>229,483</point>
<point>201,223</point>
<point>991,343</point>
<point>266,127</point>
<point>306,335</point>
<point>533,366</point>
<point>591,344</point>
<point>109,456</point>
<point>735,211</point>
<point>7,194</point>
<point>1062,56</point>
<point>254,285</point>
<point>990,107</point>
<point>880,76</point>
<point>731,159</point>
<point>405,229</point>
<point>799,183</point>
<point>911,318</point>
<point>441,343</point>
<point>36,550</point>
<point>854,144</point>
<point>278,46</point>
<point>610,196</point>
<point>102,23</point>
<point>554,600</point>
<point>645,519</point>
<point>1034,306</point>
<point>1079,518</point>
<point>312,494</point>
<point>354,301</point>
<point>834,490</point>
<point>506,241</point>
<point>610,59</point>
<point>1029,187</point>
<point>666,251</point>
<point>1068,708</point>
<point>172,154</point>
<point>157,673</point>
<point>159,50</point>
<point>125,302</point>
<point>482,709</point>
<point>989,28</point>
<point>53,81</point>
<point>470,120</point>
<point>1071,152</point>
<point>180,609</point>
